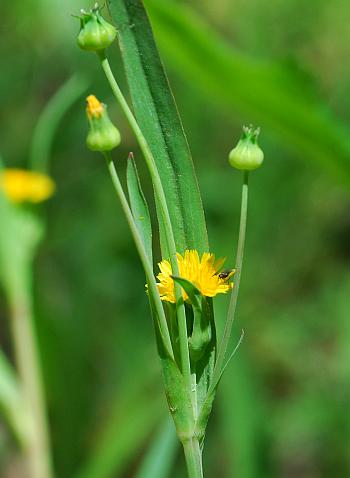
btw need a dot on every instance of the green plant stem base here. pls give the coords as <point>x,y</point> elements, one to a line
<point>193,456</point>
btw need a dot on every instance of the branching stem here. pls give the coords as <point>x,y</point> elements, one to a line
<point>165,217</point>
<point>153,290</point>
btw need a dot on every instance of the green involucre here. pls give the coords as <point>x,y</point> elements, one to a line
<point>247,155</point>
<point>95,32</point>
<point>103,135</point>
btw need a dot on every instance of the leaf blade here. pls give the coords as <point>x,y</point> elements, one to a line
<point>157,116</point>
<point>191,290</point>
<point>139,206</point>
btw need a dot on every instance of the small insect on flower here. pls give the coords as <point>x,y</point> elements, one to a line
<point>20,185</point>
<point>202,272</point>
<point>226,274</point>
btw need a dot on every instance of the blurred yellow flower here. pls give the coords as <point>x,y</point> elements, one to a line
<point>20,185</point>
<point>203,273</point>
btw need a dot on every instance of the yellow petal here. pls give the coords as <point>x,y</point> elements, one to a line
<point>202,272</point>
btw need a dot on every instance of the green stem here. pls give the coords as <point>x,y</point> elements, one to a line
<point>193,456</point>
<point>159,191</point>
<point>153,290</point>
<point>234,295</point>
<point>27,362</point>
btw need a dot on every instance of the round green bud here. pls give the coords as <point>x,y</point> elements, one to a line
<point>103,141</point>
<point>247,155</point>
<point>103,135</point>
<point>95,32</point>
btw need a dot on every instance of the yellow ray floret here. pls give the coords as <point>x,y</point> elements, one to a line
<point>202,272</point>
<point>20,185</point>
<point>94,108</point>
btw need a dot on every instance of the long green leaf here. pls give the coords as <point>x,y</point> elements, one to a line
<point>269,94</point>
<point>139,206</point>
<point>160,457</point>
<point>159,121</point>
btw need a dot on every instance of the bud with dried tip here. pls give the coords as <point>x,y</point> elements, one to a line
<point>103,135</point>
<point>247,155</point>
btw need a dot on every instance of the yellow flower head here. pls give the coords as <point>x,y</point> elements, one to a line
<point>94,108</point>
<point>20,185</point>
<point>203,273</point>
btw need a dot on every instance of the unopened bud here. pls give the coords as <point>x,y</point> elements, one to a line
<point>95,32</point>
<point>103,135</point>
<point>247,155</point>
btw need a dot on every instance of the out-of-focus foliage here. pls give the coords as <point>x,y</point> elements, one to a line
<point>13,409</point>
<point>275,95</point>
<point>281,409</point>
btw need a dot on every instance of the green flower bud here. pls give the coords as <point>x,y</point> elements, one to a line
<point>247,155</point>
<point>95,33</point>
<point>103,135</point>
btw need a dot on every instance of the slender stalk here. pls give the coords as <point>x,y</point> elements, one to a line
<point>159,191</point>
<point>37,450</point>
<point>153,290</point>
<point>193,456</point>
<point>234,295</point>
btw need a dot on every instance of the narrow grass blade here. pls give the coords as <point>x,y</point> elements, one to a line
<point>139,206</point>
<point>124,433</point>
<point>241,416</point>
<point>161,454</point>
<point>159,121</point>
<point>270,94</point>
<point>49,120</point>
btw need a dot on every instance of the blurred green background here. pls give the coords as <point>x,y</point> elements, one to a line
<point>282,407</point>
